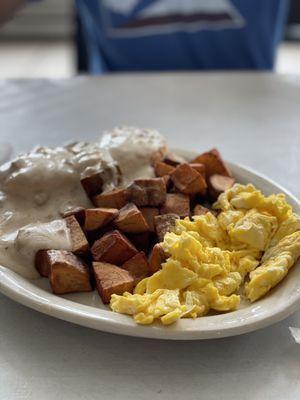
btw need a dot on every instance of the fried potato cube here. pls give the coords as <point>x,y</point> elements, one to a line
<point>163,224</point>
<point>96,218</point>
<point>137,266</point>
<point>149,213</point>
<point>79,241</point>
<point>173,160</point>
<point>162,169</point>
<point>116,198</point>
<point>92,184</point>
<point>200,210</point>
<point>157,257</point>
<point>113,248</point>
<point>93,236</point>
<point>67,272</point>
<point>148,192</point>
<point>176,203</point>
<point>111,279</point>
<point>217,184</point>
<point>213,162</point>
<point>78,212</point>
<point>188,180</point>
<point>42,263</point>
<point>131,220</point>
<point>199,168</point>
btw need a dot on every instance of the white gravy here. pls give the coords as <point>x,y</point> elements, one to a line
<point>37,187</point>
<point>132,148</point>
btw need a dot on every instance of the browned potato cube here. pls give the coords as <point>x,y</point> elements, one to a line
<point>93,236</point>
<point>200,210</point>
<point>113,248</point>
<point>116,198</point>
<point>79,241</point>
<point>149,213</point>
<point>199,168</point>
<point>176,203</point>
<point>213,163</point>
<point>163,224</point>
<point>188,180</point>
<point>96,218</point>
<point>67,272</point>
<point>131,220</point>
<point>197,186</point>
<point>92,184</point>
<point>162,169</point>
<point>137,266</point>
<point>157,257</point>
<point>217,184</point>
<point>148,192</point>
<point>111,279</point>
<point>173,159</point>
<point>42,263</point>
<point>78,212</point>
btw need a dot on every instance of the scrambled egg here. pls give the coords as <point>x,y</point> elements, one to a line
<point>247,249</point>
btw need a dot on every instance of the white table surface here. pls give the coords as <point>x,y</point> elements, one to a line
<point>254,119</point>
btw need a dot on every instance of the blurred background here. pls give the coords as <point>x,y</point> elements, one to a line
<point>41,42</point>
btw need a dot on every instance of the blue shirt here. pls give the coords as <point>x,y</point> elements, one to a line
<point>143,35</point>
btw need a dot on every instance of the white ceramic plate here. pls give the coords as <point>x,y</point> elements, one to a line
<point>87,309</point>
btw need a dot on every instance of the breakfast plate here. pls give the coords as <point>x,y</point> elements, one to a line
<point>86,309</point>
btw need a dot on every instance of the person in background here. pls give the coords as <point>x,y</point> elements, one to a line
<point>156,35</point>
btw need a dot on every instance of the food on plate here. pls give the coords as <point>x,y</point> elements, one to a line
<point>188,180</point>
<point>210,257</point>
<point>110,279</point>
<point>213,162</point>
<point>148,192</point>
<point>176,203</point>
<point>199,168</point>
<point>96,218</point>
<point>131,220</point>
<point>276,262</point>
<point>157,257</point>
<point>200,210</point>
<point>78,212</point>
<point>163,224</point>
<point>113,248</point>
<point>135,150</point>
<point>149,213</point>
<point>137,266</point>
<point>79,241</point>
<point>67,273</point>
<point>218,184</point>
<point>163,169</point>
<point>116,198</point>
<point>173,159</point>
<point>92,184</point>
<point>161,237</point>
<point>42,263</point>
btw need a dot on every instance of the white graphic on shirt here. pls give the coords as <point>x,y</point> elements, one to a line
<point>165,7</point>
<point>121,6</point>
<point>167,16</point>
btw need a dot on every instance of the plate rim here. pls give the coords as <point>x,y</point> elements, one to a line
<point>107,321</point>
